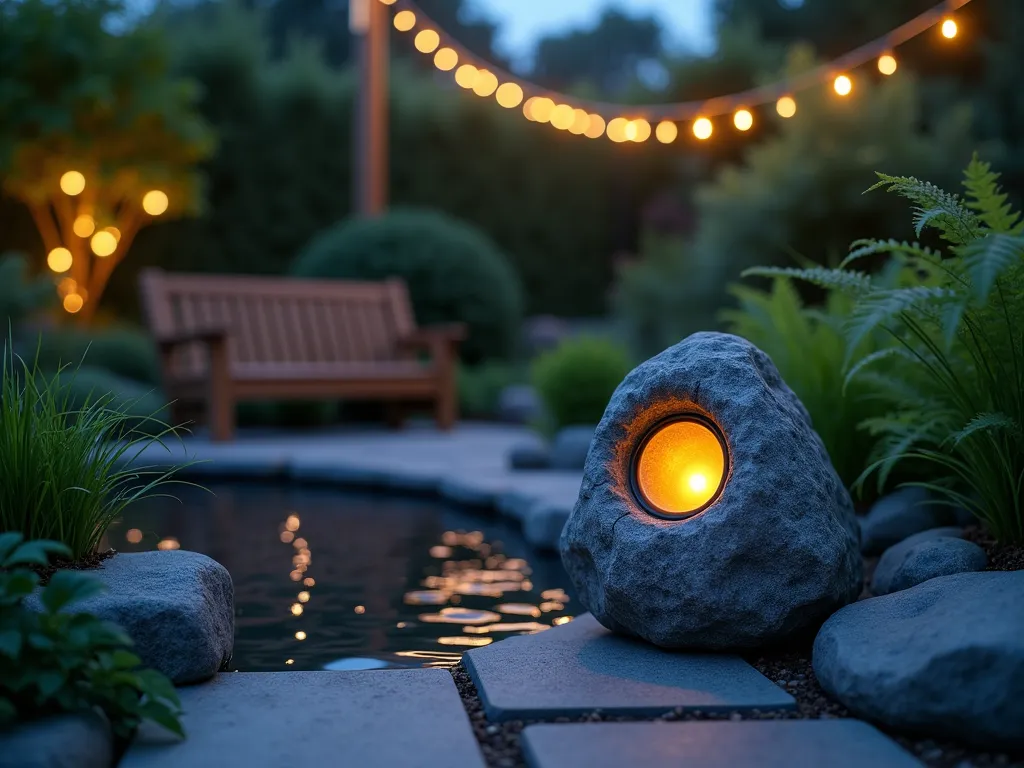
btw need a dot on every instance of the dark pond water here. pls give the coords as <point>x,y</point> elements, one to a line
<point>334,580</point>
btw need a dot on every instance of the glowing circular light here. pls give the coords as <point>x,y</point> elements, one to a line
<point>73,302</point>
<point>59,260</point>
<point>702,128</point>
<point>595,128</point>
<point>639,130</point>
<point>446,59</point>
<point>528,108</point>
<point>509,95</point>
<point>743,120</point>
<point>680,467</point>
<point>843,85</point>
<point>542,109</point>
<point>114,231</point>
<point>486,83</point>
<point>134,536</point>
<point>300,635</point>
<point>103,243</point>
<point>580,122</point>
<point>887,64</point>
<point>296,609</point>
<point>66,286</point>
<point>949,30</point>
<point>617,130</point>
<point>72,183</point>
<point>562,117</point>
<point>388,2</point>
<point>84,225</point>
<point>155,202</point>
<point>631,131</point>
<point>404,21</point>
<point>786,106</point>
<point>666,132</point>
<point>466,75</point>
<point>426,41</point>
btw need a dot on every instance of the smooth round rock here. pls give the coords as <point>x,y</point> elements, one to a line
<point>899,515</point>
<point>570,447</point>
<point>529,455</point>
<point>923,556</point>
<point>775,555</point>
<point>944,658</point>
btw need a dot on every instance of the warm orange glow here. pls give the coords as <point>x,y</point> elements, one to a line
<point>617,130</point>
<point>562,117</point>
<point>84,225</point>
<point>786,106</point>
<point>666,132</point>
<point>72,183</point>
<point>466,75</point>
<point>595,128</point>
<point>303,596</point>
<point>638,130</point>
<point>59,260</point>
<point>887,64</point>
<point>73,302</point>
<point>949,29</point>
<point>509,95</point>
<point>702,128</point>
<point>287,537</point>
<point>486,83</point>
<point>168,544</point>
<point>103,243</point>
<point>843,85</point>
<point>580,122</point>
<point>155,202</point>
<point>405,20</point>
<point>134,535</point>
<point>300,635</point>
<point>743,120</point>
<point>541,111</point>
<point>446,59</point>
<point>680,467</point>
<point>296,609</point>
<point>292,522</point>
<point>309,581</point>
<point>360,609</point>
<point>114,231</point>
<point>427,41</point>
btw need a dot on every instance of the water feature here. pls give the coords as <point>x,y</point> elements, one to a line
<point>333,580</point>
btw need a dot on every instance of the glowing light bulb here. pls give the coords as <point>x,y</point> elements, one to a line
<point>698,482</point>
<point>562,117</point>
<point>843,85</point>
<point>465,76</point>
<point>595,128</point>
<point>641,130</point>
<point>580,122</point>
<point>542,109</point>
<point>103,243</point>
<point>702,128</point>
<point>786,106</point>
<point>404,21</point>
<point>59,260</point>
<point>486,83</point>
<point>509,95</point>
<point>304,597</point>
<point>743,120</point>
<point>84,225</point>
<point>887,64</point>
<point>426,41</point>
<point>155,202</point>
<point>296,609</point>
<point>73,302</point>
<point>666,132</point>
<point>446,59</point>
<point>114,231</point>
<point>949,29</point>
<point>617,129</point>
<point>72,183</point>
<point>631,131</point>
<point>300,635</point>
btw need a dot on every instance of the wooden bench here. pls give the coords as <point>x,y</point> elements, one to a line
<point>224,339</point>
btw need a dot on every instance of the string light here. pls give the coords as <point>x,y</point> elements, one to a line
<point>641,130</point>
<point>562,117</point>
<point>949,29</point>
<point>617,129</point>
<point>155,202</point>
<point>446,59</point>
<point>72,303</point>
<point>743,120</point>
<point>580,122</point>
<point>59,260</point>
<point>427,41</point>
<point>486,83</point>
<point>465,76</point>
<point>786,106</point>
<point>595,127</point>
<point>702,128</point>
<point>72,183</point>
<point>542,109</point>
<point>404,21</point>
<point>84,225</point>
<point>103,243</point>
<point>509,95</point>
<point>115,232</point>
<point>842,85</point>
<point>666,132</point>
<point>887,64</point>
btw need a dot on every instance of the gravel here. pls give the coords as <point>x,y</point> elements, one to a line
<point>83,564</point>
<point>1001,557</point>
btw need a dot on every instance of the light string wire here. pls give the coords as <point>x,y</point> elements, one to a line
<point>406,11</point>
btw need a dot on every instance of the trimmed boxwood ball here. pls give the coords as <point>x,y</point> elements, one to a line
<point>453,271</point>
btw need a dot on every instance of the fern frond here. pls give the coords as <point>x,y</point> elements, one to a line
<point>987,199</point>
<point>833,279</point>
<point>934,207</point>
<point>873,310</point>
<point>986,422</point>
<point>874,357</point>
<point>908,251</point>
<point>984,260</point>
<point>898,435</point>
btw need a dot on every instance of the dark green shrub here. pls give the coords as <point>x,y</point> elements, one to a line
<point>20,294</point>
<point>480,387</point>
<point>453,272</point>
<point>576,379</point>
<point>54,661</point>
<point>142,405</point>
<point>124,352</point>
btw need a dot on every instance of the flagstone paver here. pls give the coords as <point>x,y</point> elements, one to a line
<point>579,667</point>
<point>715,744</point>
<point>397,718</point>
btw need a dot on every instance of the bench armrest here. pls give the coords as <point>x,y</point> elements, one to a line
<point>431,337</point>
<point>209,336</point>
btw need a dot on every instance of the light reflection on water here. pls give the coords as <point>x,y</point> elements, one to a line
<point>325,579</point>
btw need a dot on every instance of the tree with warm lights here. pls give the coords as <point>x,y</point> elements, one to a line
<point>97,139</point>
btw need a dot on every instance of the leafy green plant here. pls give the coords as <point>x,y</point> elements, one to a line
<point>66,460</point>
<point>53,660</point>
<point>576,379</point>
<point>480,386</point>
<point>124,351</point>
<point>955,377</point>
<point>20,294</point>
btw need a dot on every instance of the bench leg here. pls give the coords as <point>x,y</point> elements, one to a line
<point>446,407</point>
<point>394,414</point>
<point>221,400</point>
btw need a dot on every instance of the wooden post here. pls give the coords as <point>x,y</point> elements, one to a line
<point>370,21</point>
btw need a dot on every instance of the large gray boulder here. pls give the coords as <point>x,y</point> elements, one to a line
<point>80,740</point>
<point>899,515</point>
<point>923,556</point>
<point>776,554</point>
<point>570,447</point>
<point>177,606</point>
<point>944,658</point>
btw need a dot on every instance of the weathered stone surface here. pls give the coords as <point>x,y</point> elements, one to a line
<point>775,555</point>
<point>748,744</point>
<point>177,606</point>
<point>579,667</point>
<point>944,658</point>
<point>923,556</point>
<point>570,446</point>
<point>65,741</point>
<point>899,515</point>
<point>530,455</point>
<point>405,718</point>
<point>519,404</point>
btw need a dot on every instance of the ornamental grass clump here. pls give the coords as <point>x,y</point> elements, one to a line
<point>66,465</point>
<point>953,377</point>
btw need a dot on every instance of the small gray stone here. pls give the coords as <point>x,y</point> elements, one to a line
<point>751,744</point>
<point>64,741</point>
<point>944,658</point>
<point>776,554</point>
<point>177,606</point>
<point>519,404</point>
<point>530,455</point>
<point>543,524</point>
<point>571,670</point>
<point>899,515</point>
<point>922,556</point>
<point>570,446</point>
